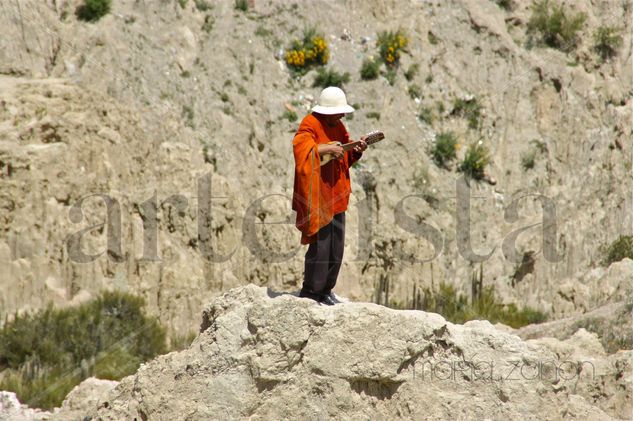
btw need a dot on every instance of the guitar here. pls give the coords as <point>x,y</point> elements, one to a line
<point>373,137</point>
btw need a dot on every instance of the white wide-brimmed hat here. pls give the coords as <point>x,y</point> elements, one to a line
<point>332,101</point>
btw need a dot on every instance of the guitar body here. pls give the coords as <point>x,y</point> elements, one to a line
<point>328,157</point>
<point>371,138</point>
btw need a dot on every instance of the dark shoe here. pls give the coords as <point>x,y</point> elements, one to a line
<point>311,295</point>
<point>328,300</point>
<point>332,298</point>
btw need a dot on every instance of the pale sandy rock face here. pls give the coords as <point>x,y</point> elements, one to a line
<point>12,410</point>
<point>263,355</point>
<point>613,323</point>
<point>154,96</point>
<point>85,396</point>
<point>593,288</point>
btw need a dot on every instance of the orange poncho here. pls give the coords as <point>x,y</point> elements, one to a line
<point>319,192</point>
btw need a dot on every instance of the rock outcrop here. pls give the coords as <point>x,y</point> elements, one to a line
<point>265,355</point>
<point>12,410</point>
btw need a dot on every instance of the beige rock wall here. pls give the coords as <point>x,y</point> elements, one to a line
<point>153,96</point>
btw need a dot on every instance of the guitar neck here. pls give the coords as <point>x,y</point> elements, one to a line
<point>349,146</point>
<point>372,138</point>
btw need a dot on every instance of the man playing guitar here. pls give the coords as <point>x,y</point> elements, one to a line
<point>322,189</point>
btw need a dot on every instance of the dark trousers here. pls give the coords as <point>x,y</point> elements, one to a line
<point>324,257</point>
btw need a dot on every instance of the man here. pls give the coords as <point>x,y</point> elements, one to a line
<point>321,192</point>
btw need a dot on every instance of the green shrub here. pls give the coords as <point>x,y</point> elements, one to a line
<point>555,28</point>
<point>444,149</point>
<point>93,10</point>
<point>415,91</point>
<point>607,40</point>
<point>469,109</point>
<point>505,4</point>
<point>475,161</point>
<point>116,363</point>
<point>209,21</point>
<point>290,115</point>
<point>329,77</point>
<point>426,115</point>
<point>241,5</point>
<point>411,71</point>
<point>180,342</point>
<point>311,50</point>
<point>528,160</point>
<point>619,249</point>
<point>433,39</point>
<point>263,32</point>
<point>40,388</point>
<point>456,307</point>
<point>46,353</point>
<point>390,45</point>
<point>188,114</point>
<point>373,114</point>
<point>539,146</point>
<point>202,5</point>
<point>370,69</point>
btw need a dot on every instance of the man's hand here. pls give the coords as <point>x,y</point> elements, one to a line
<point>362,146</point>
<point>332,149</point>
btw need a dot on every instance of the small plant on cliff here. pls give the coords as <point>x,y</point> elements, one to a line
<point>373,114</point>
<point>528,160</point>
<point>370,69</point>
<point>413,69</point>
<point>426,115</point>
<point>505,4</point>
<point>329,77</point>
<point>555,26</point>
<point>415,91</point>
<point>444,149</point>
<point>290,115</point>
<point>475,161</point>
<point>311,50</point>
<point>619,249</point>
<point>457,308</point>
<point>93,10</point>
<point>470,109</point>
<point>202,5</point>
<point>45,354</point>
<point>241,5</point>
<point>390,45</point>
<point>607,40</point>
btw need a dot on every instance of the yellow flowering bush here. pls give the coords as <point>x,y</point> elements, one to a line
<point>309,51</point>
<point>390,44</point>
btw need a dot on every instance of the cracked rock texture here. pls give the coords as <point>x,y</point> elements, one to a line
<point>266,355</point>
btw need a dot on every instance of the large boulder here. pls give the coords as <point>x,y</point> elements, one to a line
<point>265,355</point>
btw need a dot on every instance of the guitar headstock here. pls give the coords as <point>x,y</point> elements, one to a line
<point>373,137</point>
